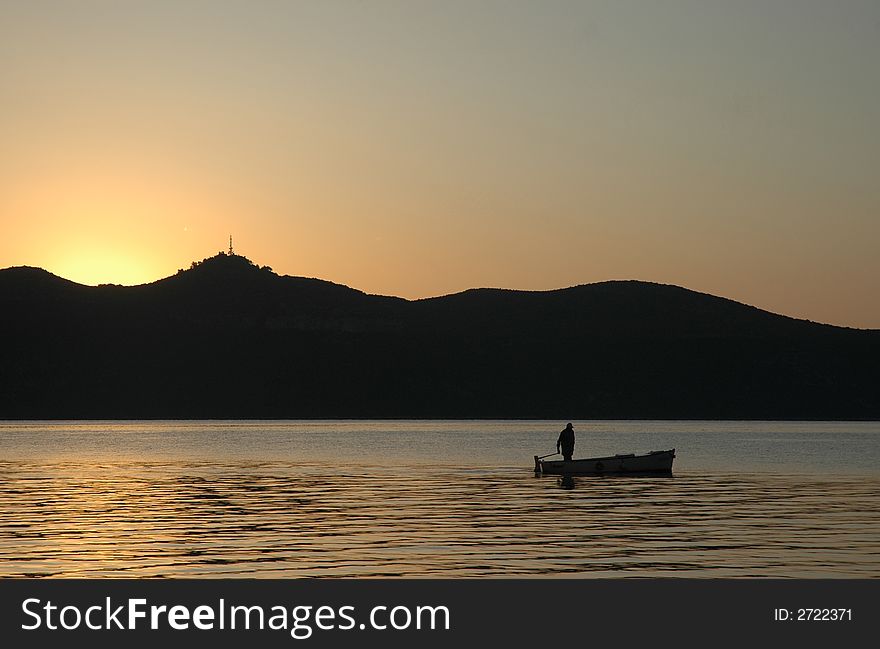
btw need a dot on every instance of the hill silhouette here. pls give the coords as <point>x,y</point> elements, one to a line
<point>229,339</point>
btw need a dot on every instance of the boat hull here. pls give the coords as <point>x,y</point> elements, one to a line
<point>653,463</point>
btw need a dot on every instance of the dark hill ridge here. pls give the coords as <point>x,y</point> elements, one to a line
<point>613,308</point>
<point>227,338</point>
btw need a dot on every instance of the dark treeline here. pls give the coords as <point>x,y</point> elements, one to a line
<point>228,339</point>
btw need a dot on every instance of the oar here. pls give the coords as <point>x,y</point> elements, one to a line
<point>538,461</point>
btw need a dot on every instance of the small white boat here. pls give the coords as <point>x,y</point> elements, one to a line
<point>655,463</point>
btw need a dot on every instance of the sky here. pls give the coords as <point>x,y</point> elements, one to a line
<point>420,148</point>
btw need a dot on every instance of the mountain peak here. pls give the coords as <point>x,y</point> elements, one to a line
<point>222,269</point>
<point>228,263</point>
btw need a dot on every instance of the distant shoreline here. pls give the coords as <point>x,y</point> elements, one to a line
<point>437,419</point>
<point>229,338</point>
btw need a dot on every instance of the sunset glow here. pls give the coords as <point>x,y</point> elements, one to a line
<point>418,150</point>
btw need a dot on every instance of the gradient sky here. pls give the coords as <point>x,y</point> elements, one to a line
<point>421,148</point>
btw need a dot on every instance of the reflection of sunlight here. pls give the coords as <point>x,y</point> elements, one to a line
<point>105,518</point>
<point>97,520</point>
<point>267,499</point>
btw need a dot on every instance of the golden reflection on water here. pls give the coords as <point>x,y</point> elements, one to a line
<point>277,519</point>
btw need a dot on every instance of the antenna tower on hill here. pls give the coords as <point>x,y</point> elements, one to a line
<point>230,245</point>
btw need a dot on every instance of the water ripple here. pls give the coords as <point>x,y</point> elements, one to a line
<point>288,519</point>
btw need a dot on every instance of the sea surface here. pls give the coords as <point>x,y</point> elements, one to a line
<point>434,499</point>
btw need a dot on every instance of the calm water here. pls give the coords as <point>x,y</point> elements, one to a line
<point>434,499</point>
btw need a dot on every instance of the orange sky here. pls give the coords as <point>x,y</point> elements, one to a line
<point>418,149</point>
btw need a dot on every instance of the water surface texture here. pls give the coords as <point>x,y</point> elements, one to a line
<point>434,499</point>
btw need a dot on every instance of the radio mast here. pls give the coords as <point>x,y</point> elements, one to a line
<point>230,245</point>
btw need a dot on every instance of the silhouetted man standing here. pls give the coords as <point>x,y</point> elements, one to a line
<point>566,443</point>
